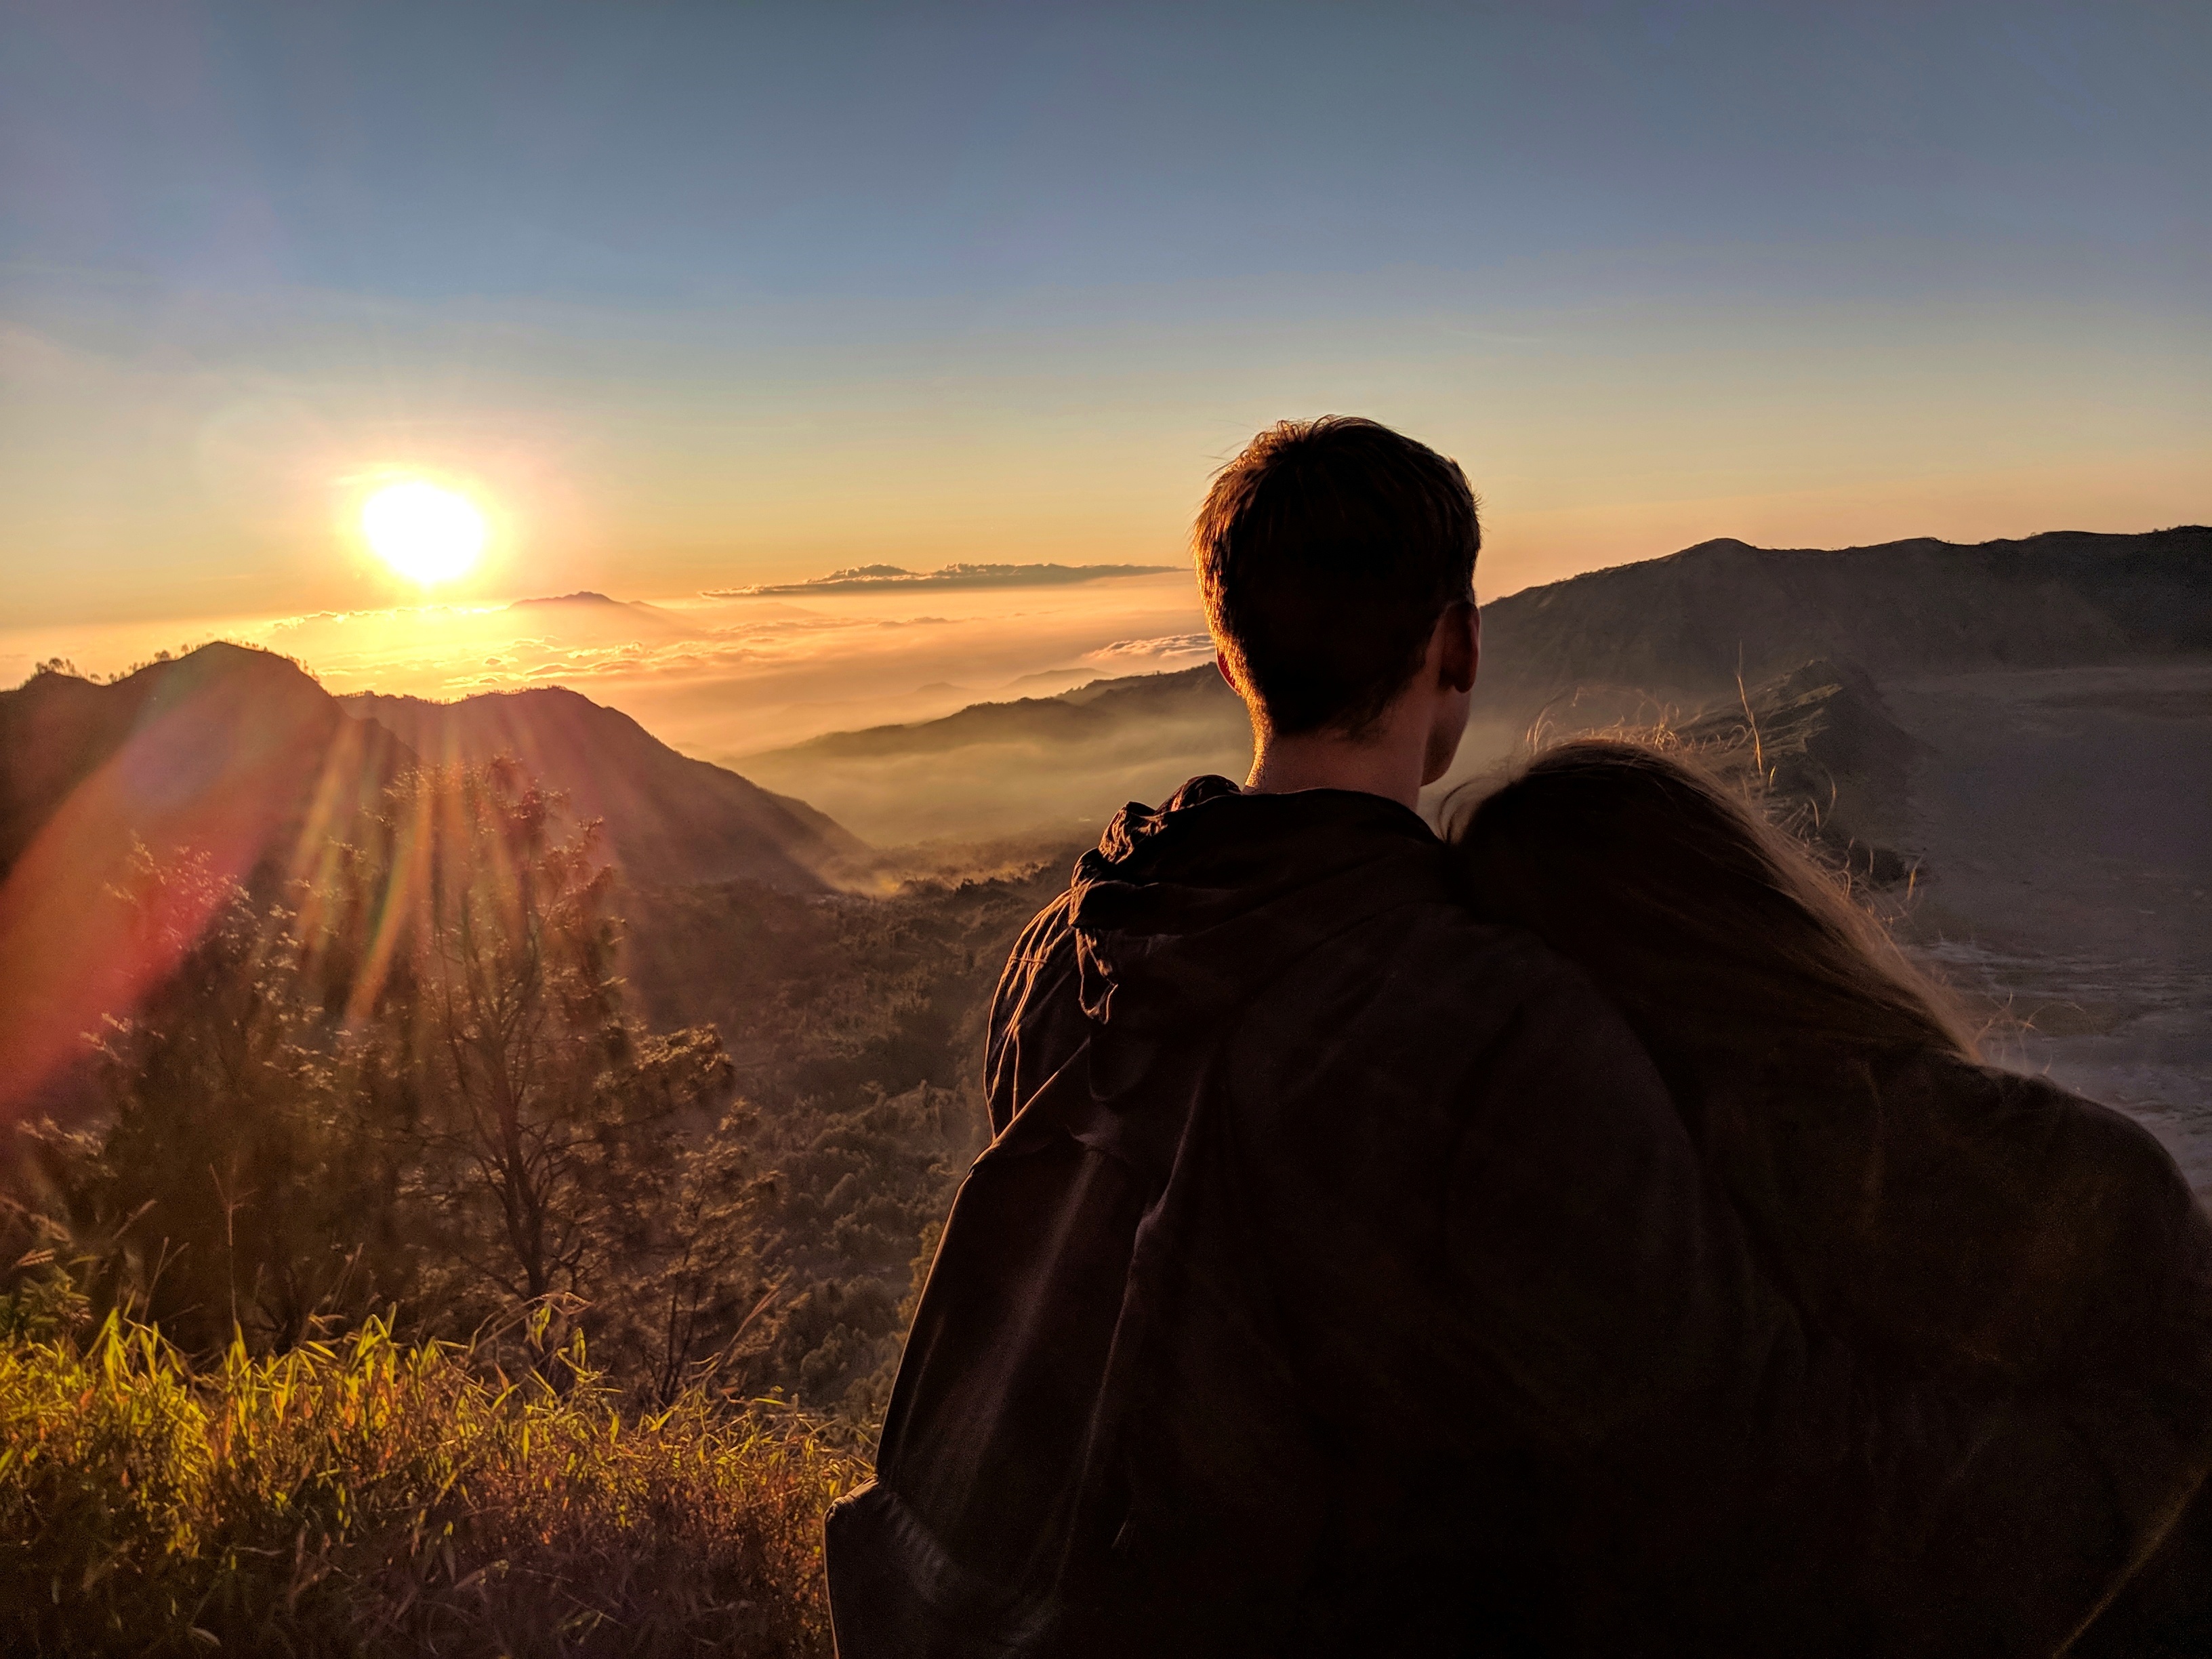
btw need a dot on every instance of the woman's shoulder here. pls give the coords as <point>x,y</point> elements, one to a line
<point>1980,1098</point>
<point>2093,1166</point>
<point>2039,1225</point>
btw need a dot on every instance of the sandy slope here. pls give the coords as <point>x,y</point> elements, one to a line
<point>2064,816</point>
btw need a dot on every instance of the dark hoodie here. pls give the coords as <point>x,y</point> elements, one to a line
<point>1341,1278</point>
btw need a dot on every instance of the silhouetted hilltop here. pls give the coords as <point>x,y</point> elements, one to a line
<point>236,759</point>
<point>236,752</point>
<point>228,748</point>
<point>229,755</point>
<point>664,817</point>
<point>581,597</point>
<point>995,769</point>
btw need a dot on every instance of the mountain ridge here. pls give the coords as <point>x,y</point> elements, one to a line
<point>666,817</point>
<point>221,729</point>
<point>1633,642</point>
<point>240,746</point>
<point>232,758</point>
<point>2149,621</point>
<point>1693,619</point>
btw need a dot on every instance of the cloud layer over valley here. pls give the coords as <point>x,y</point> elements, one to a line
<point>890,578</point>
<point>722,674</point>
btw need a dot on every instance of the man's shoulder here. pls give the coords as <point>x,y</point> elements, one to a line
<point>1435,956</point>
<point>1425,971</point>
<point>1467,1000</point>
<point>1048,930</point>
<point>1435,948</point>
<point>1043,953</point>
<point>1449,938</point>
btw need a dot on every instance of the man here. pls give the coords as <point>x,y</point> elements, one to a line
<point>1341,1278</point>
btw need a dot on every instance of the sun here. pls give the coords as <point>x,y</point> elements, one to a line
<point>427,534</point>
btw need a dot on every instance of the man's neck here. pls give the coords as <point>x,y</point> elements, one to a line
<point>1388,764</point>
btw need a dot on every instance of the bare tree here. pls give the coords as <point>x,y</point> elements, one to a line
<point>551,1134</point>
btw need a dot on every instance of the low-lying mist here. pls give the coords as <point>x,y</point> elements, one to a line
<point>716,677</point>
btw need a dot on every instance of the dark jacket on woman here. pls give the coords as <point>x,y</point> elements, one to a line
<point>1973,1229</point>
<point>1342,1278</point>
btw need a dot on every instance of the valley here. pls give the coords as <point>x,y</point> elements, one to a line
<point>2006,746</point>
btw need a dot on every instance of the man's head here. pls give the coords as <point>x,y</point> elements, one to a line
<point>1329,552</point>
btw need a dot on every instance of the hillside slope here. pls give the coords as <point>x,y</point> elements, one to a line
<point>664,817</point>
<point>236,757</point>
<point>1089,712</point>
<point>998,768</point>
<point>230,750</point>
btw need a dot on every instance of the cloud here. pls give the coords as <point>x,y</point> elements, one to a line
<point>1137,656</point>
<point>890,578</point>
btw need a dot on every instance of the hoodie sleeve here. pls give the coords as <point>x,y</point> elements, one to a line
<point>1031,1032</point>
<point>1747,1478</point>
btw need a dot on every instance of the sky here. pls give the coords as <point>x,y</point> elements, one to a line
<point>687,298</point>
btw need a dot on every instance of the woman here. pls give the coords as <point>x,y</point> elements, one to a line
<point>1976,1229</point>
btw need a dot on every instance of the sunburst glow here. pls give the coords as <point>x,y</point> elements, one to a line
<point>425,533</point>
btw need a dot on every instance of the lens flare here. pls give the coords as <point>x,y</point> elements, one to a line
<point>427,534</point>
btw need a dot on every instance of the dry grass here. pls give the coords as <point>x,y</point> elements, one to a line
<point>366,1498</point>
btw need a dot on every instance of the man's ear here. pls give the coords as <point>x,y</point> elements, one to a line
<point>1460,633</point>
<point>1221,662</point>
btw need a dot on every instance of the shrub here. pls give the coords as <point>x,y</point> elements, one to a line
<point>364,1497</point>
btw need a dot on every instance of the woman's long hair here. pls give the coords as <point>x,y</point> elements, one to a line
<point>1718,934</point>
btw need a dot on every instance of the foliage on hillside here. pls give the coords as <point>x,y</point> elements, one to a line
<point>445,1083</point>
<point>367,1173</point>
<point>369,1498</point>
<point>855,1031</point>
<point>414,1085</point>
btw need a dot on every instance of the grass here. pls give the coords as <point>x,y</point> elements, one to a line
<point>368,1498</point>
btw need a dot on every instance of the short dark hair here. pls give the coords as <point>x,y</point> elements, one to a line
<point>1326,551</point>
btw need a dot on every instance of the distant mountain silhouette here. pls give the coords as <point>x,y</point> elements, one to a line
<point>1077,716</point>
<point>665,818</point>
<point>599,613</point>
<point>237,753</point>
<point>1667,635</point>
<point>891,578</point>
<point>583,596</point>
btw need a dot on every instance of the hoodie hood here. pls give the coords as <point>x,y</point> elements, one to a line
<point>1187,908</point>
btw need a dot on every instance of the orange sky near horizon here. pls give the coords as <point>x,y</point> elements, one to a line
<point>724,296</point>
<point>194,499</point>
<point>723,679</point>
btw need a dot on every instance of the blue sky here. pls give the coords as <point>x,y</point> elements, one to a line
<point>695,294</point>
